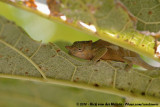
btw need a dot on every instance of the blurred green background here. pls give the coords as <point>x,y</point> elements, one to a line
<point>15,93</point>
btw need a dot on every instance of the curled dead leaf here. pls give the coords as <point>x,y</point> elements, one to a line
<point>30,3</point>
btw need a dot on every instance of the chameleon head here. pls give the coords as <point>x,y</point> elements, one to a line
<point>81,49</point>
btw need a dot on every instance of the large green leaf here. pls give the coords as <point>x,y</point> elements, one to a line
<point>16,93</point>
<point>112,23</point>
<point>24,58</point>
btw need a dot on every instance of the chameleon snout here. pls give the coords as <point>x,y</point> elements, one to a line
<point>68,47</point>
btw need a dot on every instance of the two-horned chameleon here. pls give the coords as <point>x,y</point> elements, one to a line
<point>106,51</point>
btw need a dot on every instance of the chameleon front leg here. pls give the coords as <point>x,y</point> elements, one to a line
<point>129,65</point>
<point>99,53</point>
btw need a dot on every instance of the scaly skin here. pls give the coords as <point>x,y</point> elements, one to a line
<point>106,51</point>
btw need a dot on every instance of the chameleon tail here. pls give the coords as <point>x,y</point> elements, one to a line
<point>140,62</point>
<point>143,64</point>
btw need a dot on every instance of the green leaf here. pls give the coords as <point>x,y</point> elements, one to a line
<point>146,12</point>
<point>15,93</point>
<point>24,58</point>
<point>112,23</point>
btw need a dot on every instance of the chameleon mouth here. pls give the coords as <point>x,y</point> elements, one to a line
<point>68,47</point>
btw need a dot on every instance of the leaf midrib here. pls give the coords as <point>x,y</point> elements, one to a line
<point>23,55</point>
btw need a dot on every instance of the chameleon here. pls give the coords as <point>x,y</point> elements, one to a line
<point>103,50</point>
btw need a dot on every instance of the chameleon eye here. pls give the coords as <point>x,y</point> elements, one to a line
<point>79,49</point>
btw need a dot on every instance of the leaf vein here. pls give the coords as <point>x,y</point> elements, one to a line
<point>17,40</point>
<point>36,51</point>
<point>19,52</point>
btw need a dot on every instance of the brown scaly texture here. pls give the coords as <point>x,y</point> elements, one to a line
<point>89,50</point>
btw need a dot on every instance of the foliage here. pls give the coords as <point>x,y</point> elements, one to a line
<point>24,58</point>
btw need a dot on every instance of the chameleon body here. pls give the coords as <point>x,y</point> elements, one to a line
<point>106,51</point>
